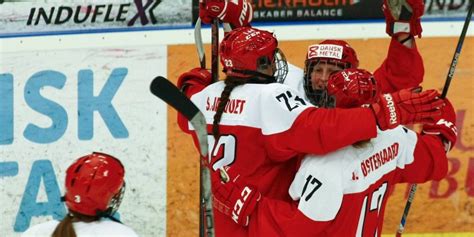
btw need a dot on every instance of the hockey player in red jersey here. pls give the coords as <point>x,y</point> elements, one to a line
<point>344,193</point>
<point>402,68</point>
<point>260,126</point>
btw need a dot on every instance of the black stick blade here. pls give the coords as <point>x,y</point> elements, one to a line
<point>169,93</point>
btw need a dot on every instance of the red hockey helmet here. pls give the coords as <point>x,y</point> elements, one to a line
<point>335,51</point>
<point>353,88</point>
<point>95,185</point>
<point>245,51</point>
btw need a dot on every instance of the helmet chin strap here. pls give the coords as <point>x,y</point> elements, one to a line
<point>266,78</point>
<point>108,214</point>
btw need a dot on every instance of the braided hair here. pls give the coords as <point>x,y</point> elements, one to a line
<point>230,84</point>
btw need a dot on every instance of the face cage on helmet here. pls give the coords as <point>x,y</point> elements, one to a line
<point>319,97</point>
<point>281,66</point>
<point>115,202</point>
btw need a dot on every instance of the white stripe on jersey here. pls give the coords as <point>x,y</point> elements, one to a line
<point>270,107</point>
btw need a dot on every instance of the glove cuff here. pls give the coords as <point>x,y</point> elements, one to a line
<point>196,76</point>
<point>386,113</point>
<point>446,142</point>
<point>376,110</point>
<point>220,206</point>
<point>400,27</point>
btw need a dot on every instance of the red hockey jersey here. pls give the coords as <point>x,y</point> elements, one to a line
<point>344,193</point>
<point>264,126</point>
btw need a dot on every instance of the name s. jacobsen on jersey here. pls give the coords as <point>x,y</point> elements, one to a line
<point>378,159</point>
<point>234,106</point>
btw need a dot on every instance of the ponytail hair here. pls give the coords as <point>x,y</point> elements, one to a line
<point>230,84</point>
<point>65,227</point>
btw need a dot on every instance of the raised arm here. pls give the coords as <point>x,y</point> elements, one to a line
<point>403,67</point>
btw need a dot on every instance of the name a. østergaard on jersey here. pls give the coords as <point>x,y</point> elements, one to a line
<point>380,158</point>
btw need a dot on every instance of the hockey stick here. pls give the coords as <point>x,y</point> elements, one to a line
<point>204,174</point>
<point>449,77</point>
<point>227,27</point>
<point>169,93</point>
<point>401,227</point>
<point>206,216</point>
<point>199,44</point>
<point>454,62</point>
<point>215,50</point>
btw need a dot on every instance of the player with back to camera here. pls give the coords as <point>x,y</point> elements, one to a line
<point>260,126</point>
<point>94,190</point>
<point>344,193</point>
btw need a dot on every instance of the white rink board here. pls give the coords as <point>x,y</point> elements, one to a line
<point>127,122</point>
